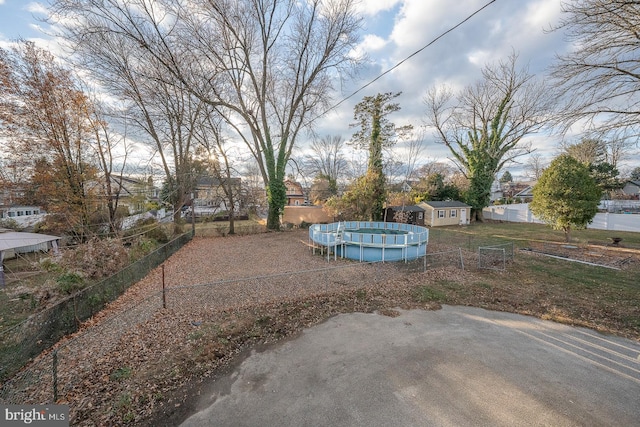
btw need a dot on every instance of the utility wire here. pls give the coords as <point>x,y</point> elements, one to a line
<point>409,57</point>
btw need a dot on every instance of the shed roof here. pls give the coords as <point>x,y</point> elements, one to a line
<point>16,239</point>
<point>446,204</point>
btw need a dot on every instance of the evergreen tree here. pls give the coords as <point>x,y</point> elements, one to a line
<point>506,177</point>
<point>566,196</point>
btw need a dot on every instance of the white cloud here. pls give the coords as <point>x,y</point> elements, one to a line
<point>37,8</point>
<point>373,7</point>
<point>373,43</point>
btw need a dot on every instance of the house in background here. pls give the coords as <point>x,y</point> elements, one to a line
<point>632,189</point>
<point>131,193</point>
<point>134,193</point>
<point>450,212</point>
<point>404,214</point>
<point>295,195</point>
<point>211,196</point>
<point>525,195</point>
<point>12,207</point>
<point>496,191</point>
<point>17,211</point>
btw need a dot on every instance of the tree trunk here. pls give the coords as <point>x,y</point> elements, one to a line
<point>232,228</point>
<point>276,197</point>
<point>477,215</point>
<point>273,218</point>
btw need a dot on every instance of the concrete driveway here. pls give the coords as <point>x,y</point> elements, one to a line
<point>458,366</point>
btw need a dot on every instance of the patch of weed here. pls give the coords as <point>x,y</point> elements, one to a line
<point>121,373</point>
<point>483,285</point>
<point>427,294</point>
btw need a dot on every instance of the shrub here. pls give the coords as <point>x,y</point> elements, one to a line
<point>69,283</point>
<point>149,228</point>
<point>49,265</point>
<point>9,223</point>
<point>140,247</point>
<point>96,258</point>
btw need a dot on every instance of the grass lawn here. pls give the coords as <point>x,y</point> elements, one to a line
<point>588,295</point>
<point>524,233</point>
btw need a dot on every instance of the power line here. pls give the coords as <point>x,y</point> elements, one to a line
<point>409,57</point>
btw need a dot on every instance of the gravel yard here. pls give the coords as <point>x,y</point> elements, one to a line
<point>135,361</point>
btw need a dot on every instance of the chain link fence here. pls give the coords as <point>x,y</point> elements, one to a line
<point>57,373</point>
<point>43,329</point>
<point>495,257</point>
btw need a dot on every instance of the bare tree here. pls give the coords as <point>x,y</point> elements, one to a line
<point>159,104</point>
<point>356,164</point>
<point>408,154</point>
<point>213,143</point>
<point>327,159</point>
<point>111,151</point>
<point>618,146</point>
<point>434,167</point>
<point>599,78</point>
<point>535,166</point>
<point>484,124</point>
<point>268,66</point>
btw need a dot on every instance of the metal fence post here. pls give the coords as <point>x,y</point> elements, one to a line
<point>54,374</point>
<point>164,293</point>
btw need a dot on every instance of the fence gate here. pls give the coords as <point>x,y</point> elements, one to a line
<point>495,257</point>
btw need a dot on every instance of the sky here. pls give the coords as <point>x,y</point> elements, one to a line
<point>393,31</point>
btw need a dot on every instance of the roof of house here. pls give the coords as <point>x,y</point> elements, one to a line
<point>526,192</point>
<point>16,239</point>
<point>211,181</point>
<point>445,204</point>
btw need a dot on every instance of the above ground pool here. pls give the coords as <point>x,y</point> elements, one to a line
<point>368,241</point>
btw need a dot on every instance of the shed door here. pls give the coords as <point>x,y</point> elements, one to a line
<point>463,216</point>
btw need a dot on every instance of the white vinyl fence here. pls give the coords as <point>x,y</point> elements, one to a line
<point>602,221</point>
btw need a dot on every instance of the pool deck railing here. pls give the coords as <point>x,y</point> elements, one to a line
<point>339,236</point>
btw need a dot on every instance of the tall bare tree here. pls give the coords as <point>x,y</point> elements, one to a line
<point>599,77</point>
<point>268,66</point>
<point>218,156</point>
<point>326,161</point>
<point>483,125</point>
<point>535,166</point>
<point>158,103</point>
<point>111,151</point>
